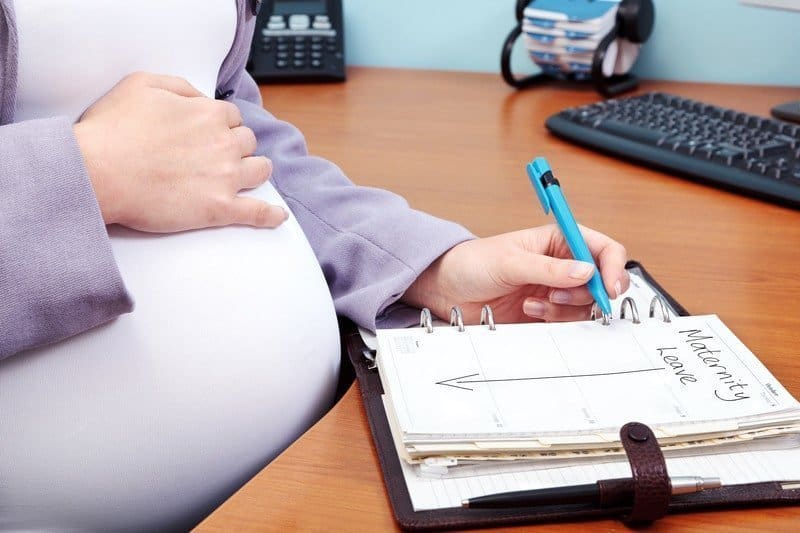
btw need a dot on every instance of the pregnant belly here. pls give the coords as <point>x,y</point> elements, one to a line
<point>226,290</point>
<point>231,352</point>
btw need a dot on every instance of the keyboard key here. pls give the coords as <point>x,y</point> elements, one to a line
<point>791,141</point>
<point>631,132</point>
<point>706,151</point>
<point>727,155</point>
<point>771,148</point>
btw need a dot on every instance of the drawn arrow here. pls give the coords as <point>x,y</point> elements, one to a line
<point>461,380</point>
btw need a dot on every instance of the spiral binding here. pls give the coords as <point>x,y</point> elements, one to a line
<point>426,320</point>
<point>456,318</point>
<point>628,303</point>
<point>664,308</point>
<point>487,317</point>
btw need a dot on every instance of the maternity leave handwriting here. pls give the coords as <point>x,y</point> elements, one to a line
<point>731,388</point>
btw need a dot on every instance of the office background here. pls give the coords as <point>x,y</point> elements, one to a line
<point>694,40</point>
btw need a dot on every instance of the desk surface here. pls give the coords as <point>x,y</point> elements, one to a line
<point>455,145</point>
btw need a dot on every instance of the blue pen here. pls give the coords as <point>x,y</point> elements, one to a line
<point>549,192</point>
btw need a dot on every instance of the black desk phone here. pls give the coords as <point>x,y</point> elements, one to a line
<point>298,41</point>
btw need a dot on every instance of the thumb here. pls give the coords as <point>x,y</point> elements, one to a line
<point>538,269</point>
<point>253,212</point>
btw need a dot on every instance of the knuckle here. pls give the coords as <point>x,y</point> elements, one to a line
<point>551,267</point>
<point>262,215</point>
<point>210,110</point>
<point>245,140</point>
<point>229,171</point>
<point>230,142</point>
<point>233,111</point>
<point>138,77</point>
<point>265,168</point>
<point>225,142</point>
<point>218,211</point>
<point>226,111</point>
<point>250,137</point>
<point>206,108</point>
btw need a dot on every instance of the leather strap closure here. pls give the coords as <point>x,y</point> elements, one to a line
<point>651,485</point>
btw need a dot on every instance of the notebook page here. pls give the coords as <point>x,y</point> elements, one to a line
<point>569,378</point>
<point>732,469</point>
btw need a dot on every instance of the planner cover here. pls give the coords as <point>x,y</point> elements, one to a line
<point>436,516</point>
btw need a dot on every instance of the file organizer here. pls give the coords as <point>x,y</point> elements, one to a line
<point>642,511</point>
<point>583,55</point>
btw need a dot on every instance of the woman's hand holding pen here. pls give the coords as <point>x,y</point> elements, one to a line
<point>525,276</point>
<point>162,157</point>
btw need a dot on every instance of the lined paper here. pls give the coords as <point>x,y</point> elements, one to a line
<point>529,380</point>
<point>732,469</point>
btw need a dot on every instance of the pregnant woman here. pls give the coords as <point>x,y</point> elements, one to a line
<point>137,164</point>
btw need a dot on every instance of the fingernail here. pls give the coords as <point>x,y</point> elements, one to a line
<point>618,288</point>
<point>286,215</point>
<point>580,270</point>
<point>559,297</point>
<point>534,308</point>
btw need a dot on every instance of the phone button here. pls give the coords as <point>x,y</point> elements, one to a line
<point>299,22</point>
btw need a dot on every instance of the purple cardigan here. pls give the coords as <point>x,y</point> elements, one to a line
<point>58,276</point>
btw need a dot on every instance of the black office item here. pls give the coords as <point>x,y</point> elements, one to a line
<point>655,499</point>
<point>634,22</point>
<point>752,155</point>
<point>790,111</point>
<point>298,41</point>
<point>604,492</point>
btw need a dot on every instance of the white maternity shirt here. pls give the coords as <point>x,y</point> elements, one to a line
<point>232,350</point>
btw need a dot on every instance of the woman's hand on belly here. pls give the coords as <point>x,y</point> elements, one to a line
<point>162,158</point>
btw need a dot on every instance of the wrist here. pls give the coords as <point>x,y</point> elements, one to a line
<point>95,170</point>
<point>430,288</point>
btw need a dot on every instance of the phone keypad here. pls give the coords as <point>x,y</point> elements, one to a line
<point>300,42</point>
<point>296,46</point>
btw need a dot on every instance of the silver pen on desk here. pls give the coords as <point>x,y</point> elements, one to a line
<point>607,492</point>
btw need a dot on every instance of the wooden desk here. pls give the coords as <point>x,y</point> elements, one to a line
<point>455,144</point>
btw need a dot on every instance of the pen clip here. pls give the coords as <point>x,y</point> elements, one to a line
<point>536,169</point>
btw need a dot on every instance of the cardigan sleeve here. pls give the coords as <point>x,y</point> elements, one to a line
<point>58,276</point>
<point>370,243</point>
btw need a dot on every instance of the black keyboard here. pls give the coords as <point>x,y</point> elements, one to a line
<point>746,153</point>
